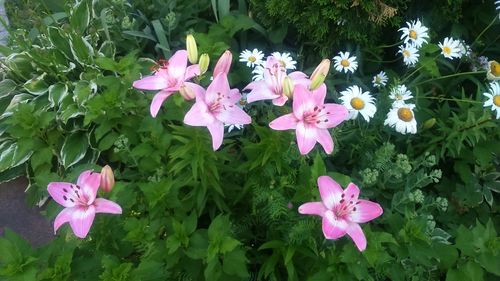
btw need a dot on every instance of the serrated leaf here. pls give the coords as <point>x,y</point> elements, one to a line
<point>235,264</point>
<point>74,149</point>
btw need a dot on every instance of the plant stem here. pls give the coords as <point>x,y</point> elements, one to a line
<point>484,30</point>
<point>457,100</point>
<point>449,76</point>
<point>389,46</point>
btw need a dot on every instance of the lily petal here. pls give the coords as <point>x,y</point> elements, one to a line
<point>217,89</point>
<point>106,206</point>
<point>319,95</point>
<point>158,100</point>
<point>192,71</point>
<point>312,208</point>
<point>351,192</point>
<point>285,122</point>
<point>335,114</point>
<point>357,235</point>
<point>81,220</point>
<point>306,137</point>
<point>233,115</point>
<point>333,228</point>
<point>233,97</point>
<point>154,82</point>
<point>261,92</point>
<point>198,115</point>
<point>63,217</point>
<point>330,191</point>
<point>63,193</point>
<point>216,129</point>
<point>303,101</point>
<point>365,211</point>
<point>280,101</point>
<point>325,139</point>
<point>177,65</point>
<point>89,181</point>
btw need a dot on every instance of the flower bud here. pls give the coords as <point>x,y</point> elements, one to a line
<point>429,123</point>
<point>223,64</point>
<point>288,87</point>
<point>186,92</point>
<point>319,74</point>
<point>192,49</point>
<point>204,62</point>
<point>493,72</point>
<point>107,178</point>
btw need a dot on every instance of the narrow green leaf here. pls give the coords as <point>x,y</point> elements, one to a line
<point>160,35</point>
<point>80,16</point>
<point>7,86</point>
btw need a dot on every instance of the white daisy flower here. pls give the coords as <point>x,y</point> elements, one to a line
<point>231,127</point>
<point>345,63</point>
<point>285,59</point>
<point>497,3</point>
<point>493,98</point>
<point>410,54</point>
<point>401,118</point>
<point>465,50</point>
<point>450,48</point>
<point>380,80</point>
<point>252,58</point>
<point>357,101</point>
<point>493,70</point>
<point>258,72</point>
<point>399,94</point>
<point>415,33</point>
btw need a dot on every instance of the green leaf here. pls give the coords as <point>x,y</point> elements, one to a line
<point>213,271</point>
<point>7,150</point>
<point>219,227</point>
<point>42,156</point>
<point>318,168</point>
<point>74,149</point>
<point>57,93</point>
<point>160,34</point>
<point>473,271</point>
<point>37,85</point>
<point>235,264</point>
<point>80,16</point>
<point>7,86</point>
<point>60,41</point>
<point>228,244</point>
<point>430,66</point>
<point>81,50</point>
<point>140,34</point>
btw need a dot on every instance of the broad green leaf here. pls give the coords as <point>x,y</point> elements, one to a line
<point>7,86</point>
<point>74,149</point>
<point>80,16</point>
<point>57,93</point>
<point>7,150</point>
<point>60,41</point>
<point>42,156</point>
<point>37,85</point>
<point>81,50</point>
<point>235,263</point>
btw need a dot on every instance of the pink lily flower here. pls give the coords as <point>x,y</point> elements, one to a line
<point>342,211</point>
<point>169,78</point>
<point>271,88</point>
<point>311,118</point>
<point>223,64</point>
<point>215,108</point>
<point>80,203</point>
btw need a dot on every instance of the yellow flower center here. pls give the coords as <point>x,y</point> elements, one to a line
<point>446,50</point>
<point>252,59</point>
<point>344,63</point>
<point>283,63</point>
<point>357,103</point>
<point>413,34</point>
<point>495,68</point>
<point>405,114</point>
<point>406,53</point>
<point>496,100</point>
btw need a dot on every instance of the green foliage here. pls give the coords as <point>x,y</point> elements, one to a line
<point>189,213</point>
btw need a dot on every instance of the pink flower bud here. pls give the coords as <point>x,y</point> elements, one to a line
<point>223,64</point>
<point>107,178</point>
<point>186,92</point>
<point>319,74</point>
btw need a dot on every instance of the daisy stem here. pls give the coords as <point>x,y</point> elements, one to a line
<point>448,99</point>
<point>416,70</point>
<point>389,46</point>
<point>449,76</point>
<point>484,30</point>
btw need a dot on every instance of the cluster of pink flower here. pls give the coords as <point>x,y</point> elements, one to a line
<point>216,106</point>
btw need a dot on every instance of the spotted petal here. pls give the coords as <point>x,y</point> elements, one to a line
<point>334,114</point>
<point>89,181</point>
<point>177,65</point>
<point>303,101</point>
<point>62,193</point>
<point>330,191</point>
<point>365,211</point>
<point>285,122</point>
